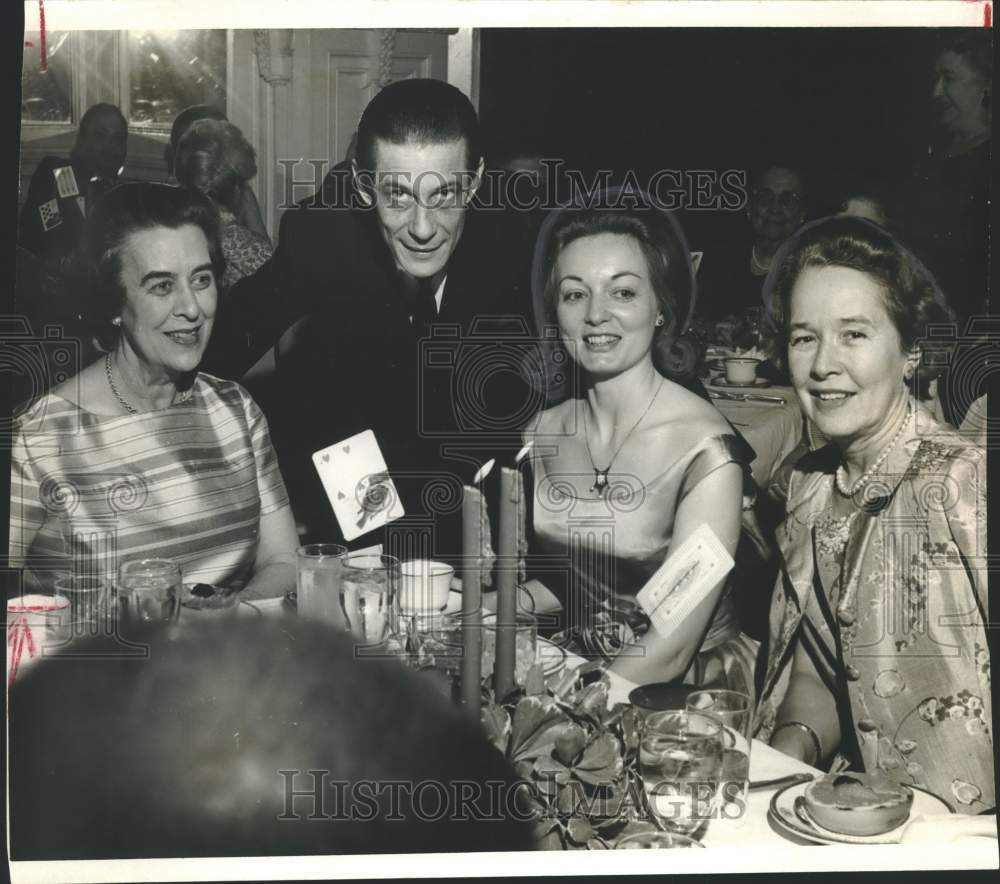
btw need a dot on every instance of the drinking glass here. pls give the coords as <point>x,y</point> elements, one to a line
<point>367,588</point>
<point>89,600</point>
<point>525,645</point>
<point>734,712</point>
<point>317,581</point>
<point>680,760</point>
<point>150,590</point>
<point>656,841</point>
<point>659,697</point>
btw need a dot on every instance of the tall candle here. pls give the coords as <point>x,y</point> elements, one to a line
<point>472,591</point>
<point>506,651</point>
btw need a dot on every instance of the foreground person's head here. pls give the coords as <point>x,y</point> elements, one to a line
<point>182,753</point>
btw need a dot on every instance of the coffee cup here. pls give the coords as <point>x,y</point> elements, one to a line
<point>424,585</point>
<point>741,369</point>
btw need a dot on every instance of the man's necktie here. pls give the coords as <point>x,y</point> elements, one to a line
<point>424,308</point>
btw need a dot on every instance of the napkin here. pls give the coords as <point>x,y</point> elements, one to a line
<point>947,827</point>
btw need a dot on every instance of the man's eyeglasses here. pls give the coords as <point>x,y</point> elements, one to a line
<point>787,199</point>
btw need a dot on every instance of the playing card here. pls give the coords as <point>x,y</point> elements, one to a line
<point>49,213</point>
<point>684,580</point>
<point>66,181</point>
<point>357,483</point>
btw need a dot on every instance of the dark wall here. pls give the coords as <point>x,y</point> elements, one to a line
<point>845,103</point>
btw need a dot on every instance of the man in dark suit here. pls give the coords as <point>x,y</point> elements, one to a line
<point>418,311</point>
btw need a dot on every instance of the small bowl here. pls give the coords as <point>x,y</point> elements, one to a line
<point>859,804</point>
<point>221,603</point>
<point>741,369</point>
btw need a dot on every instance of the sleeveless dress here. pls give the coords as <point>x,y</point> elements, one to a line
<point>614,544</point>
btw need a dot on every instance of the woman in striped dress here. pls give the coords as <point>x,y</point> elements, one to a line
<point>140,454</point>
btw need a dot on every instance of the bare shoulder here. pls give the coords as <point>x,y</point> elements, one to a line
<point>685,415</point>
<point>555,421</point>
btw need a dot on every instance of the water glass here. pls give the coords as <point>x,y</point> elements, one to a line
<point>150,590</point>
<point>680,760</point>
<point>367,588</point>
<point>734,711</point>
<point>317,581</point>
<point>90,602</point>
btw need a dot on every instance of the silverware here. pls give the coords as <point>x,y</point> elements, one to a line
<point>788,780</point>
<point>744,397</point>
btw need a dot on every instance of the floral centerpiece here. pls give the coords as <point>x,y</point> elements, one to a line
<point>577,758</point>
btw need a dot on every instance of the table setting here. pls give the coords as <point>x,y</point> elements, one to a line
<point>734,366</point>
<point>603,763</point>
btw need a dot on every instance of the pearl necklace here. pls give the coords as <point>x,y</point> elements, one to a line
<point>121,399</point>
<point>600,485</point>
<point>868,475</point>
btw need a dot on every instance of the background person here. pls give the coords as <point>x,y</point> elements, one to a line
<point>178,461</point>
<point>731,275</point>
<point>215,159</point>
<point>249,214</point>
<point>882,600</point>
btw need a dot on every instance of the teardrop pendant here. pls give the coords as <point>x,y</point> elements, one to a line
<point>600,481</point>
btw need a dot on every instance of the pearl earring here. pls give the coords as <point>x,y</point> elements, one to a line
<point>116,322</point>
<point>659,320</point>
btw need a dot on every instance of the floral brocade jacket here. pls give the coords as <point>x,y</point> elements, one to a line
<point>910,607</point>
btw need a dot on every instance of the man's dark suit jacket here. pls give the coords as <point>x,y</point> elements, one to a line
<point>359,363</point>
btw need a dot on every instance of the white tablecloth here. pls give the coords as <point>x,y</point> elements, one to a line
<point>772,430</point>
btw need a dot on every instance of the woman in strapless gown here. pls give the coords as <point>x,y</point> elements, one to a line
<point>633,464</point>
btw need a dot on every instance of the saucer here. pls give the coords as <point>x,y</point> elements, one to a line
<point>757,383</point>
<point>783,812</point>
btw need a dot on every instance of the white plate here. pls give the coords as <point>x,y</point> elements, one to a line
<point>782,811</point>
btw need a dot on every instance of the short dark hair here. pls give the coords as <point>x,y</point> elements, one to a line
<point>181,753</point>
<point>911,295</point>
<point>975,45</point>
<point>93,113</point>
<point>661,241</point>
<point>429,111</point>
<point>214,158</point>
<point>180,125</point>
<point>132,207</point>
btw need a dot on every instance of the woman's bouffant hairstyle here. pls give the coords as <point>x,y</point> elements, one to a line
<point>661,242</point>
<point>911,296</point>
<point>180,125</point>
<point>128,209</point>
<point>214,158</point>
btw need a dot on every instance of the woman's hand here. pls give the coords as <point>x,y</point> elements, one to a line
<point>714,501</point>
<point>274,567</point>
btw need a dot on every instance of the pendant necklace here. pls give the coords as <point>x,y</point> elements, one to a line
<point>600,485</point>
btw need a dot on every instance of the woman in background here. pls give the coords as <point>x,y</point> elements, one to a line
<point>214,158</point>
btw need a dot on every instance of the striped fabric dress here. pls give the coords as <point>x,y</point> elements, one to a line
<point>189,483</point>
